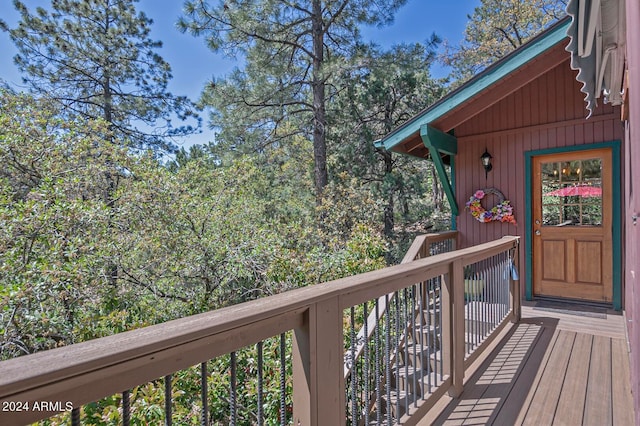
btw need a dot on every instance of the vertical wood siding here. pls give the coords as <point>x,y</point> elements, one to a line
<point>546,113</point>
<point>632,195</point>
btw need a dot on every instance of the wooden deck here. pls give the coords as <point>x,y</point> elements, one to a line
<point>558,366</point>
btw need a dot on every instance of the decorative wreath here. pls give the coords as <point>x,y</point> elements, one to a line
<point>502,212</point>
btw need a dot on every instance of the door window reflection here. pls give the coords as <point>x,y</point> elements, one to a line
<point>572,193</point>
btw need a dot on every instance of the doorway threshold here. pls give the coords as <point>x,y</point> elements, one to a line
<point>569,307</point>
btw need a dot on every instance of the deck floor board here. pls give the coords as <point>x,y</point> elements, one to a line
<point>570,408</point>
<point>598,410</point>
<point>553,368</point>
<point>621,389</point>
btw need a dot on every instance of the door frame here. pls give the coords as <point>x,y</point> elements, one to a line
<point>616,177</point>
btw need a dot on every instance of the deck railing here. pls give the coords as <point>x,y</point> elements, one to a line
<point>382,339</point>
<point>422,246</point>
<point>314,323</point>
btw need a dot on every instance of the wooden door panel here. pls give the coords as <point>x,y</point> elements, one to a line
<point>589,257</point>
<point>554,260</point>
<point>572,237</point>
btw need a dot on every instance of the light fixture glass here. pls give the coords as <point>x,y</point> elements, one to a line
<point>486,162</point>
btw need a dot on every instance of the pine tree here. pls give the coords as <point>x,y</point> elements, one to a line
<point>393,86</point>
<point>292,50</point>
<point>496,28</point>
<point>95,57</point>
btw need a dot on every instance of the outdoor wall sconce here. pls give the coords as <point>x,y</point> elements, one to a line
<point>486,162</point>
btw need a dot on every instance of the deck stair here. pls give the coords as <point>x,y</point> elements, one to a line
<point>416,368</point>
<point>414,371</point>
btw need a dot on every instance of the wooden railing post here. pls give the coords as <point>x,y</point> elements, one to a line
<point>318,382</point>
<point>446,303</point>
<point>457,283</point>
<point>301,364</point>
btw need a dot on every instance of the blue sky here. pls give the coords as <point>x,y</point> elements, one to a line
<point>193,64</point>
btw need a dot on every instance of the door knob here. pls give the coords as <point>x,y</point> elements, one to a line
<point>537,232</point>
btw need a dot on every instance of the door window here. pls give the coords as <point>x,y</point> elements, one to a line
<point>572,193</point>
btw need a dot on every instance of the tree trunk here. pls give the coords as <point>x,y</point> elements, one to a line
<point>321,176</point>
<point>389,208</point>
<point>435,188</point>
<point>112,267</point>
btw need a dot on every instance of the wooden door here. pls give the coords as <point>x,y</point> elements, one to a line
<point>572,225</point>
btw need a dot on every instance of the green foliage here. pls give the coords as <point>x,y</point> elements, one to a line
<point>54,224</point>
<point>95,58</point>
<point>99,238</point>
<point>394,86</point>
<point>198,237</point>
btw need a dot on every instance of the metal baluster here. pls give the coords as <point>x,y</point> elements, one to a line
<point>504,265</point>
<point>439,312</point>
<point>431,349</point>
<point>421,313</point>
<point>75,417</point>
<point>167,401</point>
<point>497,281</point>
<point>487,298</point>
<point>413,339</point>
<point>377,366</point>
<point>480,304</point>
<point>469,312</point>
<point>433,333</point>
<point>354,377</point>
<point>495,285</point>
<point>497,263</point>
<point>507,284</point>
<point>495,294</point>
<point>487,294</point>
<point>480,285</point>
<point>204,418</point>
<point>233,410</point>
<point>492,306</point>
<point>283,389</point>
<point>498,289</point>
<point>387,349</point>
<point>365,315</point>
<point>126,408</point>
<point>501,280</point>
<point>405,328</point>
<point>492,294</point>
<point>504,283</point>
<point>483,294</point>
<point>397,349</point>
<point>260,383</point>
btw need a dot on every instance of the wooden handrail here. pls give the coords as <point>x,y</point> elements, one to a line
<point>84,372</point>
<point>420,246</point>
<point>437,237</point>
<point>416,250</point>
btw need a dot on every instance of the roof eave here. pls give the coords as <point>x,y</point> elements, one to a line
<point>493,74</point>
